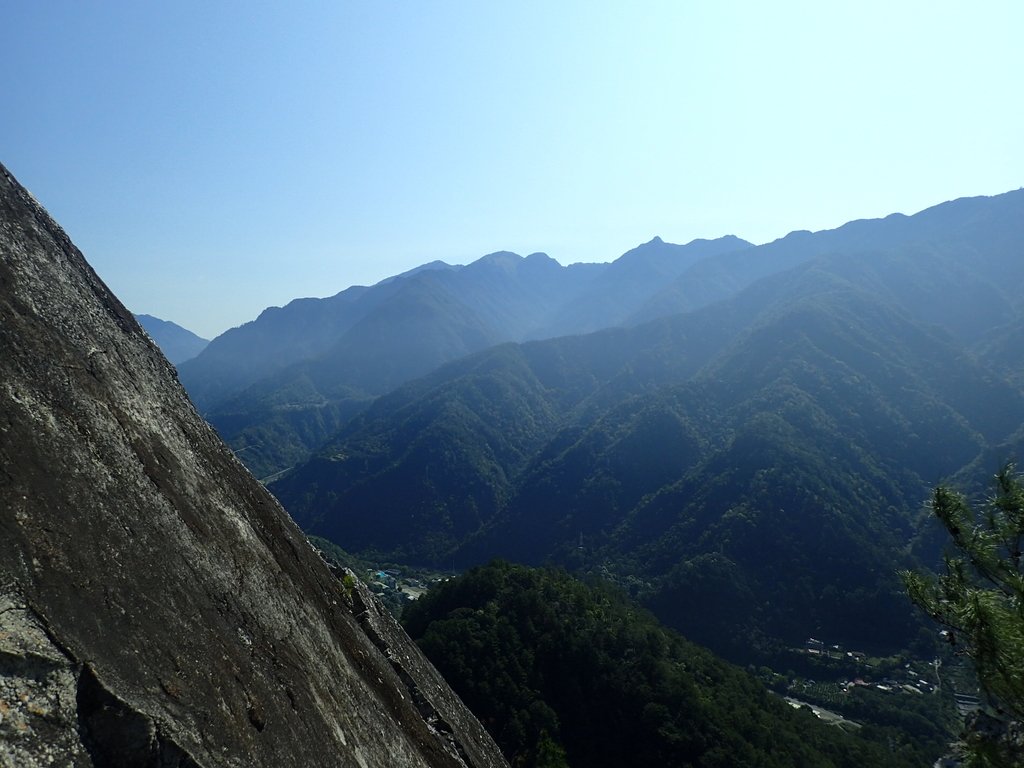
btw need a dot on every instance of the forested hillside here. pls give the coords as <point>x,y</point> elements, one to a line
<point>758,465</point>
<point>565,674</point>
<point>277,387</point>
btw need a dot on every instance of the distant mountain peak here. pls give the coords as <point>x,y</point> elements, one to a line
<point>178,344</point>
<point>430,266</point>
<point>506,261</point>
<point>499,256</point>
<point>693,250</point>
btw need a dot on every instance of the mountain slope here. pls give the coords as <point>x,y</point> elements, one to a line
<point>278,387</point>
<point>279,337</point>
<point>502,297</point>
<point>434,313</point>
<point>799,457</point>
<point>991,222</point>
<point>558,666</point>
<point>759,463</point>
<point>178,344</point>
<point>401,329</point>
<point>630,282</point>
<point>157,606</point>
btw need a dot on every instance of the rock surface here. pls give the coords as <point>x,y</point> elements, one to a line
<point>157,606</point>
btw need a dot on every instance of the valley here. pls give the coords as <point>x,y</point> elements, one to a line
<point>512,385</point>
<point>758,465</point>
<point>739,438</point>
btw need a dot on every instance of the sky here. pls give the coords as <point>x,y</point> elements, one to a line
<point>213,159</point>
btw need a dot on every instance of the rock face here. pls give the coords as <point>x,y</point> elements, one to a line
<point>157,606</point>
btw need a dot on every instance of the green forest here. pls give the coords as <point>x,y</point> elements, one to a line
<point>742,439</point>
<point>565,673</point>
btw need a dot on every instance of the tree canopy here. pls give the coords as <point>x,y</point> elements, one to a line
<point>980,600</point>
<point>567,673</point>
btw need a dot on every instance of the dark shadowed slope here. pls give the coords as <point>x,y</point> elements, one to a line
<point>581,667</point>
<point>157,607</point>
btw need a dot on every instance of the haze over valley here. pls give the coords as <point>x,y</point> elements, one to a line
<point>541,385</point>
<point>743,437</point>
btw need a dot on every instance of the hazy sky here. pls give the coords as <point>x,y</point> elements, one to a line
<point>214,158</point>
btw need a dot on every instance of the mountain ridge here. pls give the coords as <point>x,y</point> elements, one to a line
<point>325,372</point>
<point>360,344</point>
<point>849,377</point>
<point>178,344</point>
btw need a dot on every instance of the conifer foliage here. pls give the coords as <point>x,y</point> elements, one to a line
<point>980,600</point>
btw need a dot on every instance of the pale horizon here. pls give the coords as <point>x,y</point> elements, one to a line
<point>214,161</point>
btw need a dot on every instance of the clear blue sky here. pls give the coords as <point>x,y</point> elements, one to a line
<point>215,158</point>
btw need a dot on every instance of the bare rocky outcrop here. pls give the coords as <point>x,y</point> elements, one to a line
<point>157,606</point>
